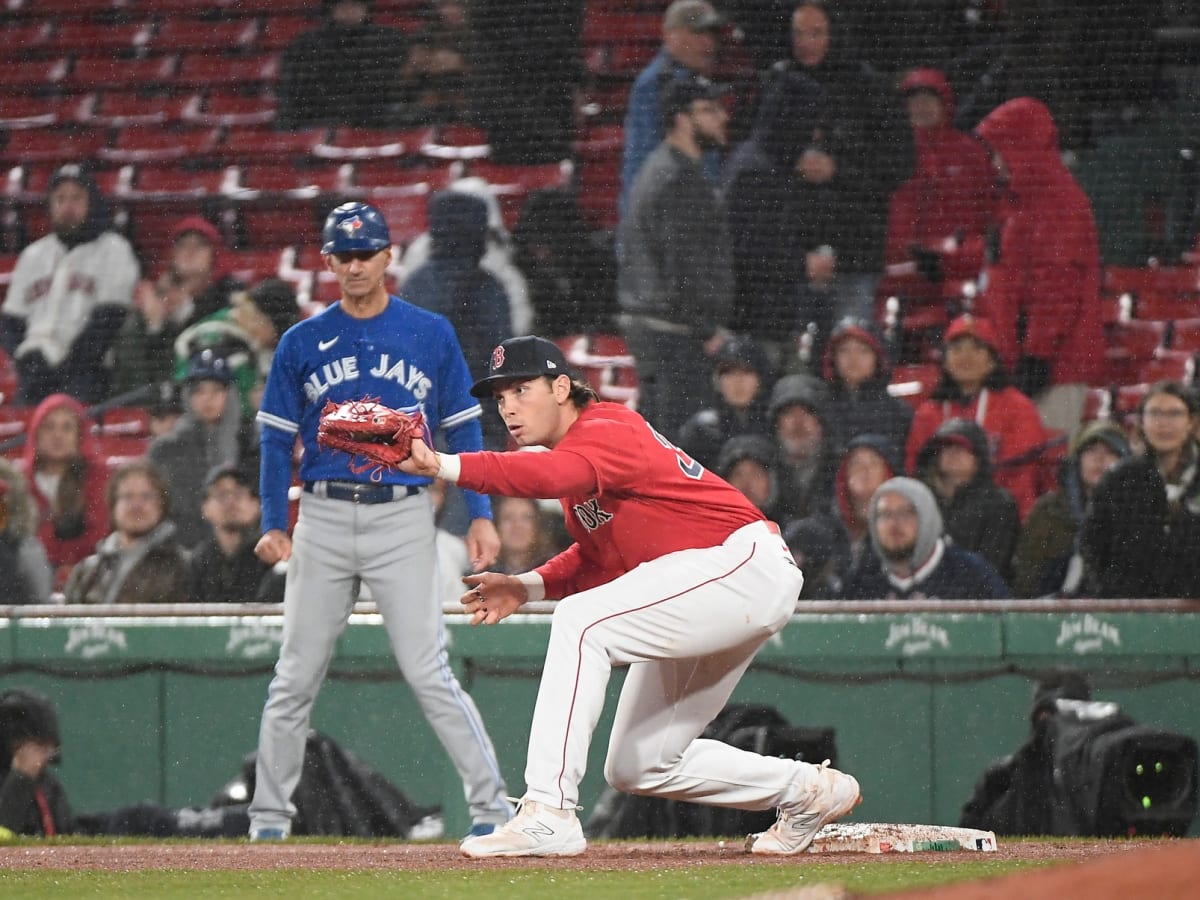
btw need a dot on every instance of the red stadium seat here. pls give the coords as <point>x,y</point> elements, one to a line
<point>18,112</point>
<point>120,109</point>
<point>605,362</point>
<point>13,419</point>
<point>280,224</point>
<point>66,9</point>
<point>99,38</point>
<point>104,72</point>
<point>181,34</point>
<point>228,108</point>
<point>1126,399</point>
<point>913,383</point>
<point>457,142</point>
<point>170,183</point>
<point>370,143</point>
<point>1168,365</point>
<point>126,421</point>
<point>35,74</point>
<point>405,215</point>
<point>263,181</point>
<point>150,143</point>
<point>262,144</point>
<point>1166,306</point>
<point>205,70</point>
<point>52,145</point>
<point>1185,335</point>
<point>21,38</point>
<point>383,177</point>
<point>252,266</point>
<point>1130,344</point>
<point>1098,404</point>
<point>280,30</point>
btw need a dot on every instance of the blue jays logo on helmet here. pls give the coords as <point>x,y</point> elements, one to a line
<point>355,226</point>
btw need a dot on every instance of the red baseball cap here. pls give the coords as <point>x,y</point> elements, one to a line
<point>968,325</point>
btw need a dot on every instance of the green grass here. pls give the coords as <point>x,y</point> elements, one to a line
<point>711,881</point>
<point>701,882</point>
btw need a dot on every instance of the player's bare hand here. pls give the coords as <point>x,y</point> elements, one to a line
<point>31,757</point>
<point>421,460</point>
<point>483,544</point>
<point>274,546</point>
<point>492,597</point>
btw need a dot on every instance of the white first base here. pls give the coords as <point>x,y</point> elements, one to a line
<point>868,837</point>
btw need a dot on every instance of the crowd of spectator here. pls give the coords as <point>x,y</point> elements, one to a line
<point>744,281</point>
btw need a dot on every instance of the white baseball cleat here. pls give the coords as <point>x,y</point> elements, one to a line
<point>831,795</point>
<point>536,830</point>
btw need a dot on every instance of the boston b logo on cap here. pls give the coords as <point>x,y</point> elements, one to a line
<point>521,357</point>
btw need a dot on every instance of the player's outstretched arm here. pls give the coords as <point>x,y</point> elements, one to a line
<point>421,460</point>
<point>493,597</point>
<point>483,543</point>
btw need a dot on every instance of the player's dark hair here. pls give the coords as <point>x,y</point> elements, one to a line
<point>582,393</point>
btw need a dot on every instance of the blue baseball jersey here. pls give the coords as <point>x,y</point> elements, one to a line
<point>405,357</point>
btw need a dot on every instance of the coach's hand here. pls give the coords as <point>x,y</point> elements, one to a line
<point>274,546</point>
<point>493,597</point>
<point>483,544</point>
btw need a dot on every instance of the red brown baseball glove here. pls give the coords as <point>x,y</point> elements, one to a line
<point>367,429</point>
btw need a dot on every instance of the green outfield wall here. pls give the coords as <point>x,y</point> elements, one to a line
<point>922,697</point>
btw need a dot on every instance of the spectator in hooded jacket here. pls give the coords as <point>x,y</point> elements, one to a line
<point>798,412</point>
<point>856,368</point>
<point>867,462</point>
<point>778,222</point>
<point>211,432</point>
<point>24,569</point>
<point>937,219</point>
<point>956,465</point>
<point>1043,288</point>
<point>862,153</point>
<point>66,476</point>
<point>912,559</point>
<point>750,462</point>
<point>1140,536</point>
<point>453,282</point>
<point>499,254</point>
<point>1044,562</point>
<point>191,286</point>
<point>140,561</point>
<point>69,294</point>
<point>974,386</point>
<point>742,378</point>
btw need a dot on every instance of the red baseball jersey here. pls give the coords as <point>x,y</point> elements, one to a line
<point>628,494</point>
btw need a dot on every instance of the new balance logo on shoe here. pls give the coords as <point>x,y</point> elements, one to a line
<point>827,796</point>
<point>536,830</point>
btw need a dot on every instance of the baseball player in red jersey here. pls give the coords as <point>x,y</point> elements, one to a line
<point>673,573</point>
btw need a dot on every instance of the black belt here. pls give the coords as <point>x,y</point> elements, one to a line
<point>356,492</point>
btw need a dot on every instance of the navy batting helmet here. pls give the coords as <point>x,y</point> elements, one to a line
<point>355,226</point>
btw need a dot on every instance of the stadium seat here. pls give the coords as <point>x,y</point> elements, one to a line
<point>280,224</point>
<point>605,363</point>
<point>52,145</point>
<point>104,72</point>
<point>127,421</point>
<point>1098,404</point>
<point>14,420</point>
<point>405,215</point>
<point>1167,305</point>
<point>57,10</point>
<point>456,142</point>
<point>1185,335</point>
<point>34,74</point>
<point>120,109</point>
<point>914,382</point>
<point>178,35</point>
<point>263,181</point>
<point>370,143</point>
<point>280,30</point>
<point>24,38</point>
<point>1126,399</point>
<point>1138,338</point>
<point>100,38</point>
<point>207,70</point>
<point>230,109</point>
<point>152,143</point>
<point>261,144</point>
<point>252,266</point>
<point>178,183</point>
<point>19,112</point>
<point>1168,365</point>
<point>383,177</point>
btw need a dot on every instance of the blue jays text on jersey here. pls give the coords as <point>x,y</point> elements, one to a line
<point>346,369</point>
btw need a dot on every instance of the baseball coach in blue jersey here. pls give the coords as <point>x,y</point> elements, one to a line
<point>376,527</point>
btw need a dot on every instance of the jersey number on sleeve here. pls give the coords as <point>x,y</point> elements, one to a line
<point>687,465</point>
